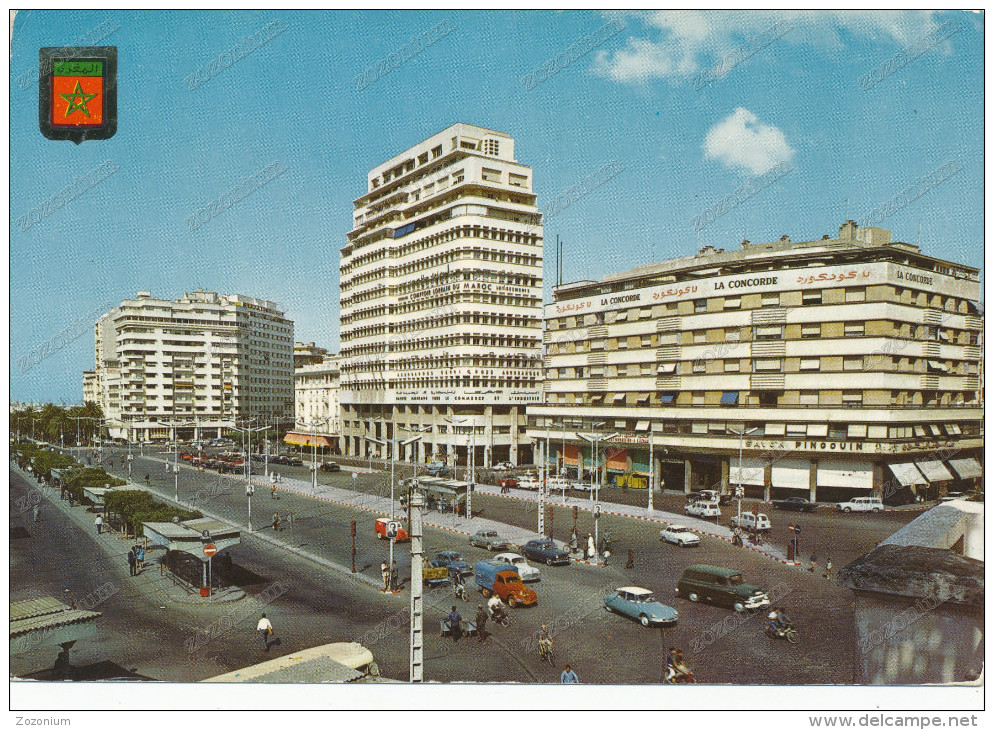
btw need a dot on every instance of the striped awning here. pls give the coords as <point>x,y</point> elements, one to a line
<point>307,439</point>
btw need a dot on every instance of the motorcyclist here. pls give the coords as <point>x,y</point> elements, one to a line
<point>544,641</point>
<point>778,622</point>
<point>458,586</point>
<point>496,608</point>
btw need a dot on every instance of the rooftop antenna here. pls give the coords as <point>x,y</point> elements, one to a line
<point>919,234</point>
<point>847,208</point>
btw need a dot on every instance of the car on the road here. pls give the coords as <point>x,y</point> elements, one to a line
<point>720,587</point>
<point>795,504</point>
<point>488,539</point>
<point>752,522</point>
<point>439,471</point>
<point>641,605</point>
<point>510,482</point>
<point>557,483</point>
<point>503,580</point>
<point>330,466</point>
<point>704,510</point>
<point>861,504</point>
<point>380,528</point>
<point>230,467</point>
<point>710,495</point>
<point>679,535</point>
<point>527,572</point>
<point>579,486</point>
<point>293,461</point>
<point>453,561</point>
<point>528,482</point>
<point>546,551</point>
<point>503,466</point>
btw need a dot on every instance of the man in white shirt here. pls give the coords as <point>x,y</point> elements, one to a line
<point>264,627</point>
<point>99,522</point>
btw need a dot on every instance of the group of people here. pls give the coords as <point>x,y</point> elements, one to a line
<point>278,525</point>
<point>389,575</point>
<point>814,567</point>
<point>136,559</point>
<point>677,671</point>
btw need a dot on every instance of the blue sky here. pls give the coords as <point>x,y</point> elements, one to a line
<point>638,98</point>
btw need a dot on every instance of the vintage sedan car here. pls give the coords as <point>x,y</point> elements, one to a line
<point>527,572</point>
<point>507,482</point>
<point>795,504</point>
<point>679,535</point>
<point>528,482</point>
<point>330,466</point>
<point>488,539</point>
<point>546,551</point>
<point>453,561</point>
<point>704,510</point>
<point>503,466</point>
<point>641,605</point>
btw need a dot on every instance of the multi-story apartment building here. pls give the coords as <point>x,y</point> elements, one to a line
<point>441,301</point>
<point>201,363</point>
<point>90,392</point>
<point>318,415</point>
<point>826,368</point>
<point>307,353</point>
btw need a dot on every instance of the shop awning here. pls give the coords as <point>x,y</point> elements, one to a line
<point>307,439</point>
<point>934,471</point>
<point>751,473</point>
<point>792,474</point>
<point>841,473</point>
<point>642,426</point>
<point>907,474</point>
<point>666,367</point>
<point>729,397</point>
<point>968,468</point>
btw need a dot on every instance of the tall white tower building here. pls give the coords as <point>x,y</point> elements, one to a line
<point>441,302</point>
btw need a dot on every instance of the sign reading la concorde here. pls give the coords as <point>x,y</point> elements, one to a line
<point>820,277</point>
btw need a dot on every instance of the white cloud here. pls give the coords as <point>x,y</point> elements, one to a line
<point>677,44</point>
<point>742,142</point>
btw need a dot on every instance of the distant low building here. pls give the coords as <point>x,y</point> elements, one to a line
<point>316,409</point>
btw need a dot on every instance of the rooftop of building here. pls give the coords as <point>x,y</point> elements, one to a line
<point>200,296</point>
<point>852,243</point>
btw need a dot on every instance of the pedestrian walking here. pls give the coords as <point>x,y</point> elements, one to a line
<point>272,491</point>
<point>569,676</point>
<point>99,522</point>
<point>814,564</point>
<point>265,629</point>
<point>34,512</point>
<point>140,557</point>
<point>455,624</point>
<point>132,561</point>
<point>591,550</point>
<point>385,572</point>
<point>631,560</point>
<point>146,480</point>
<point>276,521</point>
<point>167,467</point>
<point>481,624</point>
<point>828,569</point>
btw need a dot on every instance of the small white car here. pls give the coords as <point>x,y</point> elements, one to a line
<point>704,510</point>
<point>503,466</point>
<point>557,483</point>
<point>862,504</point>
<point>580,486</point>
<point>528,482</point>
<point>752,523</point>
<point>679,535</point>
<point>525,571</point>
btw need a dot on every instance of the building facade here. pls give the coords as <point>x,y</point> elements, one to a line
<point>90,392</point>
<point>441,302</point>
<point>193,366</point>
<point>317,412</point>
<point>307,353</point>
<point>823,369</point>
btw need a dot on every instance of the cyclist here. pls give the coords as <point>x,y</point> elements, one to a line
<point>545,644</point>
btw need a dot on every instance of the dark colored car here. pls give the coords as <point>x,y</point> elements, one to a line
<point>720,587</point>
<point>439,472</point>
<point>292,461</point>
<point>330,466</point>
<point>453,561</point>
<point>546,551</point>
<point>795,504</point>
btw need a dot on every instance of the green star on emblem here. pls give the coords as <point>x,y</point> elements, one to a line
<point>77,105</point>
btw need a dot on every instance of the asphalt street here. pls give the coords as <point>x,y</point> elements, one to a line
<point>605,648</point>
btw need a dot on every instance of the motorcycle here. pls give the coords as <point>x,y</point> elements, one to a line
<point>679,676</point>
<point>789,633</point>
<point>459,591</point>
<point>498,616</point>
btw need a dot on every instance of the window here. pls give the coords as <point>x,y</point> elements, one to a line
<point>733,335</point>
<point>597,344</point>
<point>852,363</point>
<point>854,329</point>
<point>518,181</point>
<point>491,175</point>
<point>699,366</point>
<point>646,341</point>
<point>697,399</point>
<point>856,295</point>
<point>700,336</point>
<point>621,316</point>
<point>491,147</point>
<point>852,397</point>
<point>937,366</point>
<point>818,429</point>
<point>808,398</point>
<point>666,367</point>
<point>769,333</point>
<point>811,297</point>
<point>810,330</point>
<point>732,366</point>
<point>436,152</point>
<point>811,364</point>
<point>700,305</point>
<point>797,429</point>
<point>876,432</point>
<point>775,429</point>
<point>733,303</point>
<point>856,430</point>
<point>769,365</point>
<point>771,300</point>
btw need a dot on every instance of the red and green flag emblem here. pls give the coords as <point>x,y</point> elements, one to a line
<point>78,93</point>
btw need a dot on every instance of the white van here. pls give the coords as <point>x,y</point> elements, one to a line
<point>704,510</point>
<point>752,523</point>
<point>862,504</point>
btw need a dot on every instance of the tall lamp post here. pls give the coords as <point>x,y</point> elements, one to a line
<point>740,489</point>
<point>248,465</point>
<point>595,439</point>
<point>391,443</point>
<point>314,453</point>
<point>471,461</point>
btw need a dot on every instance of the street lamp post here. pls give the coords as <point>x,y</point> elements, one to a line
<point>249,489</point>
<point>471,460</point>
<point>740,490</point>
<point>390,443</point>
<point>314,453</point>
<point>595,439</point>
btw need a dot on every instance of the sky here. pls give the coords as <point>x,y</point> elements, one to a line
<point>686,107</point>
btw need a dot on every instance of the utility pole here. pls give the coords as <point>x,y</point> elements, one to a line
<point>652,470</point>
<point>417,666</point>
<point>390,444</point>
<point>249,489</point>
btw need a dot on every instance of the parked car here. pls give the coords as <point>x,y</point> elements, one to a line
<point>640,604</point>
<point>510,482</point>
<point>580,486</point>
<point>527,572</point>
<point>794,504</point>
<point>679,535</point>
<point>528,482</point>
<point>381,530</point>
<point>557,483</point>
<point>704,510</point>
<point>441,471</point>
<point>546,551</point>
<point>488,539</point>
<point>720,587</point>
<point>752,522</point>
<point>503,466</point>
<point>862,504</point>
<point>292,461</point>
<point>503,580</point>
<point>453,561</point>
<point>330,466</point>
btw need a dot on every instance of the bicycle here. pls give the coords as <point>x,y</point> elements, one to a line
<point>545,651</point>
